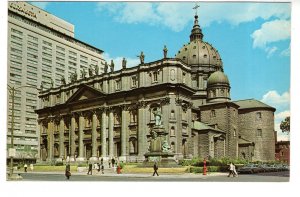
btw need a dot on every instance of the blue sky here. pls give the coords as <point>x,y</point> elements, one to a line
<point>253,39</point>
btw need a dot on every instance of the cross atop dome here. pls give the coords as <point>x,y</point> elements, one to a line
<point>196,8</point>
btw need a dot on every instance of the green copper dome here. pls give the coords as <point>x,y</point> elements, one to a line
<point>198,52</point>
<point>217,77</point>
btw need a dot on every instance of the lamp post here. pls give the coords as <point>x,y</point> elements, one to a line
<point>12,90</point>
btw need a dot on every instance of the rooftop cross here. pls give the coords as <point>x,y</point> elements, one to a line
<point>196,7</point>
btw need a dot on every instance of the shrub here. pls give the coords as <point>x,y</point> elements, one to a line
<point>122,165</point>
<point>196,169</point>
<point>59,163</point>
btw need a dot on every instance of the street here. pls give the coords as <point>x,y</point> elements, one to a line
<point>214,177</point>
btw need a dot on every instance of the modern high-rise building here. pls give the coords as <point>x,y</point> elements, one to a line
<point>42,53</point>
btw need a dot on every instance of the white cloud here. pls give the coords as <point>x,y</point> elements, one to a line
<point>273,98</point>
<point>40,4</point>
<point>176,16</point>
<point>286,52</point>
<point>270,51</point>
<point>271,31</point>
<point>118,61</point>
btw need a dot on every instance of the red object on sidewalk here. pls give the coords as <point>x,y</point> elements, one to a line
<point>204,167</point>
<point>119,169</point>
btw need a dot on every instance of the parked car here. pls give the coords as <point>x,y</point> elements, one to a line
<point>250,168</point>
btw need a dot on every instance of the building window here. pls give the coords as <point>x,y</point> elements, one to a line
<point>172,114</point>
<point>183,77</point>
<point>258,116</point>
<point>155,77</point>
<point>172,131</point>
<point>118,84</point>
<point>259,133</point>
<point>133,81</point>
<point>213,113</point>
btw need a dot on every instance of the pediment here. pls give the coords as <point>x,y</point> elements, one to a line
<point>85,92</point>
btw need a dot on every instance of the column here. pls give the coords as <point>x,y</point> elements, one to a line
<point>72,138</point>
<point>110,134</point>
<point>61,138</point>
<point>94,137</point>
<point>80,138</point>
<point>124,134</point>
<point>103,134</point>
<point>50,141</point>
<point>178,112</point>
<point>141,132</point>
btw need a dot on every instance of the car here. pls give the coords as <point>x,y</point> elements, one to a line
<point>250,168</point>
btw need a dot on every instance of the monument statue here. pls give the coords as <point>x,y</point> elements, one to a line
<point>91,71</point>
<point>142,57</point>
<point>165,51</point>
<point>105,67</point>
<point>96,69</point>
<point>165,146</point>
<point>124,61</point>
<point>112,66</point>
<point>157,115</point>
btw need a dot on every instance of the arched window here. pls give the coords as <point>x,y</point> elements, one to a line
<point>173,147</point>
<point>172,131</point>
<point>172,114</point>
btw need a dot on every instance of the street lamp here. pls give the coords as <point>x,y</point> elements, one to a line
<point>12,90</point>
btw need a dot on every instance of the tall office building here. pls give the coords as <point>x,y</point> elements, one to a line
<point>42,53</point>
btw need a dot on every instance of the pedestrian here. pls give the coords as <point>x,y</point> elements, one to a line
<point>113,162</point>
<point>31,167</point>
<point>102,168</point>
<point>68,171</point>
<point>109,163</point>
<point>235,174</point>
<point>90,169</point>
<point>98,168</point>
<point>101,161</point>
<point>25,167</point>
<point>155,168</point>
<point>230,170</point>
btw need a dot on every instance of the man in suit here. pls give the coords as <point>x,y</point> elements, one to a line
<point>155,168</point>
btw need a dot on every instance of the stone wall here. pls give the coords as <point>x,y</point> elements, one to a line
<point>250,123</point>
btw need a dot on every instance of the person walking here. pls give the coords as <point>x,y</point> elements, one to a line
<point>98,167</point>
<point>102,168</point>
<point>231,166</point>
<point>155,168</point>
<point>25,167</point>
<point>68,171</point>
<point>90,169</point>
<point>113,162</point>
<point>235,174</point>
<point>109,163</point>
<point>31,167</point>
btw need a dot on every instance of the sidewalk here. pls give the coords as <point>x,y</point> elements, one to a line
<point>111,173</point>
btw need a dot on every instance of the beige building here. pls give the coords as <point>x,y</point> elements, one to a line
<point>42,51</point>
<point>114,114</point>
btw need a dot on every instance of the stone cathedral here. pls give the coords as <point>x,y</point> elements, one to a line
<point>112,114</point>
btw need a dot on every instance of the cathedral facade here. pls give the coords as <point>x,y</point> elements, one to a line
<point>112,114</point>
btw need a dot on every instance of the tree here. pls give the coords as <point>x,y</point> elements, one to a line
<point>285,125</point>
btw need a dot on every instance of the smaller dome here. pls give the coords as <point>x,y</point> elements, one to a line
<point>217,78</point>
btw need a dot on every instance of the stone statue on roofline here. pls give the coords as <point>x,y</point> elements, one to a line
<point>83,73</point>
<point>142,57</point>
<point>124,61</point>
<point>165,52</point>
<point>91,71</point>
<point>112,66</point>
<point>105,67</point>
<point>63,80</point>
<point>96,67</point>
